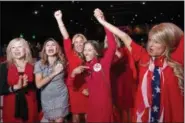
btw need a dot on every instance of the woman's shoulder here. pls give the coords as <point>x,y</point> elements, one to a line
<point>39,65</point>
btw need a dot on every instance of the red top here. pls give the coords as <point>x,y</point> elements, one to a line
<point>78,102</point>
<point>9,100</point>
<point>171,97</point>
<point>100,107</point>
<point>123,83</point>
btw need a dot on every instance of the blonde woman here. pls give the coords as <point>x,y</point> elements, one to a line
<point>73,50</point>
<point>49,77</point>
<point>20,103</point>
<point>161,79</point>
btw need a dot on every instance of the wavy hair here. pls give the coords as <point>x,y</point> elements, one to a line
<point>28,55</point>
<point>59,54</point>
<point>169,35</point>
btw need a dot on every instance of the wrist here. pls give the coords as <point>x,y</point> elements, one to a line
<point>51,75</point>
<point>14,88</point>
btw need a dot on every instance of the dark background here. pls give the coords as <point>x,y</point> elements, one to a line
<point>19,17</point>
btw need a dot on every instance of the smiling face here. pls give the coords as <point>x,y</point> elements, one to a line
<point>51,48</point>
<point>17,50</point>
<point>78,44</point>
<point>89,52</point>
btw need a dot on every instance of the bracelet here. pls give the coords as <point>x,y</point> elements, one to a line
<point>11,89</point>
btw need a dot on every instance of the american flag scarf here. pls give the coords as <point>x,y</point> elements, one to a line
<point>155,114</point>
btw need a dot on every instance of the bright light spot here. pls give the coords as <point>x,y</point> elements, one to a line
<point>36,12</point>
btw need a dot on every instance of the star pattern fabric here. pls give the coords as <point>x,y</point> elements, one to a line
<point>155,109</point>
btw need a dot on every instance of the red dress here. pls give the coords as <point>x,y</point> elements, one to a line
<point>122,79</point>
<point>171,97</point>
<point>78,101</point>
<point>9,100</point>
<point>100,107</point>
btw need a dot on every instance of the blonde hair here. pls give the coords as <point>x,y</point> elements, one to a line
<point>28,56</point>
<point>170,35</point>
<point>78,35</point>
<point>60,55</point>
<point>118,42</point>
<point>83,38</point>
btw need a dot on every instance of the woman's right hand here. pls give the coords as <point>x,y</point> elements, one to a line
<point>58,14</point>
<point>79,70</point>
<point>58,68</point>
<point>98,14</point>
<point>85,92</point>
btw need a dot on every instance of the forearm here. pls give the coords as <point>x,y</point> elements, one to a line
<point>122,35</point>
<point>45,80</point>
<point>63,29</point>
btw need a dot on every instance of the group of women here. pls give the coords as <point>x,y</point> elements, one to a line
<point>101,84</point>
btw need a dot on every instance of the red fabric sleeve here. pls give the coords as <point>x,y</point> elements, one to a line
<point>81,82</point>
<point>84,86</point>
<point>131,62</point>
<point>178,54</point>
<point>137,51</point>
<point>70,80</point>
<point>68,47</point>
<point>110,52</point>
<point>176,100</point>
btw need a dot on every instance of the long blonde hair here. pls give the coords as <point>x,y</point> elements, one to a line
<point>78,35</point>
<point>170,35</point>
<point>60,55</point>
<point>28,56</point>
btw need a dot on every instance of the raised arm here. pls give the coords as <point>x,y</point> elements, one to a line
<point>67,41</point>
<point>108,56</point>
<point>63,30</point>
<point>122,35</point>
<point>136,50</point>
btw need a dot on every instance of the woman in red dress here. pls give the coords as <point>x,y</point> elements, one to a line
<point>122,81</point>
<point>97,75</point>
<point>20,103</point>
<point>73,51</point>
<point>161,100</point>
